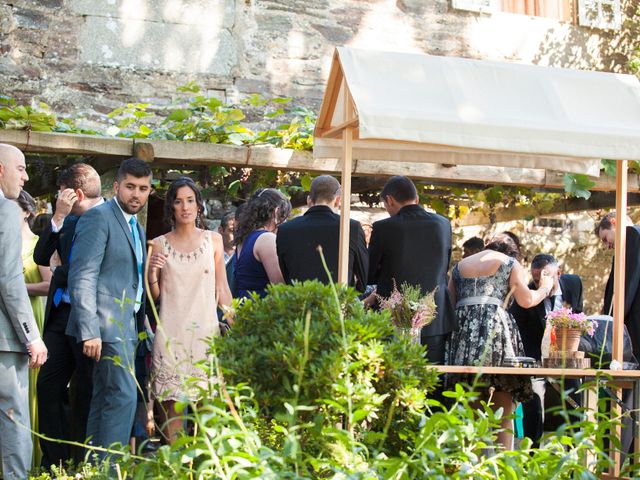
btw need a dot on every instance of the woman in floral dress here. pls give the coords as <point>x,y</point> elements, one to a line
<point>487,333</point>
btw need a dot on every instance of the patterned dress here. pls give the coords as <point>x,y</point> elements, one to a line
<point>487,333</point>
<point>187,318</point>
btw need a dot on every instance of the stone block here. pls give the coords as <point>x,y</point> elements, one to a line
<point>157,46</point>
<point>7,22</point>
<point>186,12</point>
<point>30,19</point>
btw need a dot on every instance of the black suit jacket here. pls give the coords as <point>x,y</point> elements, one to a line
<point>414,246</point>
<point>631,288</point>
<point>297,241</point>
<point>532,321</point>
<point>47,244</point>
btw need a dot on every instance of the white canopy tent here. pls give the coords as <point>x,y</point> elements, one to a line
<point>422,108</point>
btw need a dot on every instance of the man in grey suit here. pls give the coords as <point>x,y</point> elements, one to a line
<point>107,301</point>
<point>19,333</point>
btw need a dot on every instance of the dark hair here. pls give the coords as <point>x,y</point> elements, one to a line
<point>541,260</point>
<point>324,188</point>
<point>239,209</point>
<point>81,176</point>
<point>226,218</point>
<point>259,210</point>
<point>28,205</point>
<point>401,188</point>
<point>605,222</point>
<point>170,198</point>
<point>513,237</point>
<point>503,243</point>
<point>474,243</point>
<point>40,222</point>
<point>133,166</point>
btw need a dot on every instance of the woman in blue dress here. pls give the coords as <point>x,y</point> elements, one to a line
<point>256,259</point>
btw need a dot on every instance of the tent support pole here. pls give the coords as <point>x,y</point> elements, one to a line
<point>345,205</point>
<point>618,295</point>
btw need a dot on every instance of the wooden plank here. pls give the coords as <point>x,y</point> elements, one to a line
<point>337,130</point>
<point>187,154</point>
<point>345,204</point>
<point>619,261</point>
<point>168,151</point>
<point>64,143</point>
<point>538,372</point>
<point>335,80</point>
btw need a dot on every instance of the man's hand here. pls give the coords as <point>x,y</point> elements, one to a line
<point>37,353</point>
<point>92,348</point>
<point>66,199</point>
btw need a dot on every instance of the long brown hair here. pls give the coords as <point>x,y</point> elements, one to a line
<point>169,209</point>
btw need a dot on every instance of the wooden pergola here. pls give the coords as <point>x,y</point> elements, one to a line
<point>419,109</point>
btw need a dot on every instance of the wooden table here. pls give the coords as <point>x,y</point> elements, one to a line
<point>617,378</point>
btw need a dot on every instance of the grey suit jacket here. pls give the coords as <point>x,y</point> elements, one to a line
<point>103,276</point>
<point>17,325</point>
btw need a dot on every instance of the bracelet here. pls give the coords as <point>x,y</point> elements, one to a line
<point>153,283</point>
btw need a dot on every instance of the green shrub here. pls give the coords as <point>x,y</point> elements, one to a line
<point>297,347</point>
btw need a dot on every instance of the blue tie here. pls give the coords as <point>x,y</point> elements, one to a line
<point>138,247</point>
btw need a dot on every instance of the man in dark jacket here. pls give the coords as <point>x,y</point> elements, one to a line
<point>79,191</point>
<point>606,231</point>
<point>298,239</point>
<point>413,246</point>
<point>566,291</point>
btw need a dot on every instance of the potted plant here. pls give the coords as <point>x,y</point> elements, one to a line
<point>568,327</point>
<point>410,309</point>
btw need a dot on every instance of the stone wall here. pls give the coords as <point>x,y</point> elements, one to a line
<point>90,56</point>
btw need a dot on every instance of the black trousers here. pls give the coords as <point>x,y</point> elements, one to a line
<point>435,347</point>
<point>64,391</point>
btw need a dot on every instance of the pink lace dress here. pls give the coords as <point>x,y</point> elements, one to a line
<point>188,319</point>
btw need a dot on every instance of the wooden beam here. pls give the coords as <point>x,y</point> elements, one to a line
<point>188,154</point>
<point>63,143</point>
<point>619,265</point>
<point>345,205</point>
<point>337,130</point>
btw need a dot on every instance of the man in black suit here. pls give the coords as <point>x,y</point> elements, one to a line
<point>297,240</point>
<point>606,231</point>
<point>79,191</point>
<point>566,291</point>
<point>413,246</point>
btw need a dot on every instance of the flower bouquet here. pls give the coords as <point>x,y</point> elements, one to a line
<point>410,309</point>
<point>568,327</point>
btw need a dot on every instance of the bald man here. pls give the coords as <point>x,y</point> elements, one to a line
<point>20,342</point>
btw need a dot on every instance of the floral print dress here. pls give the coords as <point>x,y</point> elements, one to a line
<point>487,333</point>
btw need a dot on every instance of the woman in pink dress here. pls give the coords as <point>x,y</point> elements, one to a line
<point>187,273</point>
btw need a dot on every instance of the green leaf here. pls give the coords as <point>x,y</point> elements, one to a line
<point>276,113</point>
<point>281,100</point>
<point>578,185</point>
<point>178,115</point>
<point>190,87</point>
<point>610,167</point>
<point>235,115</point>
<point>305,182</point>
<point>234,187</point>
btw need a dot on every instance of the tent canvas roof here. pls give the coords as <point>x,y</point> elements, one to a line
<point>461,111</point>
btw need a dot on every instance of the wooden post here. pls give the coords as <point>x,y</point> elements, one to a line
<point>618,297</point>
<point>345,204</point>
<point>620,255</point>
